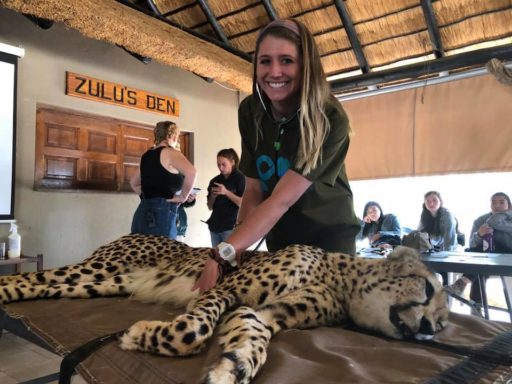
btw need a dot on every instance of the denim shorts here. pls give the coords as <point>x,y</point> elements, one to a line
<point>155,216</point>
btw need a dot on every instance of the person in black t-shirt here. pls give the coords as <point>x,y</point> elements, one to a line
<point>224,196</point>
<point>162,173</point>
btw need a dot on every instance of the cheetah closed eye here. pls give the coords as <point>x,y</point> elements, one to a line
<point>297,287</point>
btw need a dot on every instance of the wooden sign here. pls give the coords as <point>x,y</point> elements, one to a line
<point>103,91</point>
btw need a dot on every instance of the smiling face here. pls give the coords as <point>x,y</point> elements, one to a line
<point>279,73</point>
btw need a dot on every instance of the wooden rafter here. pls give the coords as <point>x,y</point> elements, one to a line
<point>433,30</point>
<point>213,21</point>
<point>272,14</point>
<point>352,35</point>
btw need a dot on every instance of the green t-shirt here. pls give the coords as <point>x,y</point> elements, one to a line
<point>324,215</point>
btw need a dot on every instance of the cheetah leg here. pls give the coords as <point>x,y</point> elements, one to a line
<point>186,334</point>
<point>115,286</point>
<point>246,333</point>
<point>85,272</point>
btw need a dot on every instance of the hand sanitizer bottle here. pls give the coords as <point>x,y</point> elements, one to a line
<point>14,242</point>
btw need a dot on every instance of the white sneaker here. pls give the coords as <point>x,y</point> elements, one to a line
<point>180,238</point>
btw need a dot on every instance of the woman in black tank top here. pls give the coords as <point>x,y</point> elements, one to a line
<point>163,172</point>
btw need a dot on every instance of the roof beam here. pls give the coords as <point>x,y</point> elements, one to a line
<point>447,63</point>
<point>272,14</point>
<point>433,30</point>
<point>157,15</point>
<point>213,21</point>
<point>352,35</point>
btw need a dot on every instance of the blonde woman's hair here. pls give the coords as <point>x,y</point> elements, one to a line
<point>315,92</point>
<point>164,129</point>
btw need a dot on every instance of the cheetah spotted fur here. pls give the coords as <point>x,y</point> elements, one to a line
<point>297,287</point>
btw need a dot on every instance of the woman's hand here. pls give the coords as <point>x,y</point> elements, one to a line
<point>485,229</point>
<point>367,219</point>
<point>208,277</point>
<point>375,237</point>
<point>219,189</point>
<point>176,200</point>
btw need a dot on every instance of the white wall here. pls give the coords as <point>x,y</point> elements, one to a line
<point>66,227</point>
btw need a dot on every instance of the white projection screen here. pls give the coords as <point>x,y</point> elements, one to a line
<point>8,74</point>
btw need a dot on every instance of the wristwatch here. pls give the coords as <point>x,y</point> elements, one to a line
<point>227,252</point>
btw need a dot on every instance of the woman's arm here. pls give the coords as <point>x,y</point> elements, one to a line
<point>252,197</point>
<point>222,190</point>
<point>172,158</point>
<point>449,233</point>
<point>135,182</point>
<point>258,217</point>
<point>257,221</point>
<point>391,226</point>
<point>475,240</point>
<point>501,221</point>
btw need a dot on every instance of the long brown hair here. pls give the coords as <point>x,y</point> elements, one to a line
<point>315,92</point>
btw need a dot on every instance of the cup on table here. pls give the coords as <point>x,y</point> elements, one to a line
<point>2,251</point>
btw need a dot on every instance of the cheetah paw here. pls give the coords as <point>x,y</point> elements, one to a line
<point>131,339</point>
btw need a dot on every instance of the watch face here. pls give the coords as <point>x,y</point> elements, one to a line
<point>225,252</point>
<point>228,253</point>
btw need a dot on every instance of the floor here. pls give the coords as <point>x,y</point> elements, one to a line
<point>22,361</point>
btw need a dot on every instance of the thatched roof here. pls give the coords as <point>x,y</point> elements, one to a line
<point>357,38</point>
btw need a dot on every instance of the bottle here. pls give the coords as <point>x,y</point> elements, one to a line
<point>14,242</point>
<point>488,242</point>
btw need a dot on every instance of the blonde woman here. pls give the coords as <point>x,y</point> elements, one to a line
<point>163,171</point>
<point>295,136</point>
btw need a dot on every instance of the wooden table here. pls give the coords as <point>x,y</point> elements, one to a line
<point>23,260</point>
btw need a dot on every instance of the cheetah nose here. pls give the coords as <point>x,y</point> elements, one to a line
<point>426,331</point>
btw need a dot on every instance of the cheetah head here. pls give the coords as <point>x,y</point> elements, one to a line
<point>404,299</point>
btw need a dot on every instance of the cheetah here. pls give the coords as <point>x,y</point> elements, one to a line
<point>297,287</point>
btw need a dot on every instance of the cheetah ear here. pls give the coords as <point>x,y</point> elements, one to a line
<point>403,261</point>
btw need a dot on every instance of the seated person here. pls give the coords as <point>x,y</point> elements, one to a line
<point>498,224</point>
<point>380,230</point>
<point>438,222</point>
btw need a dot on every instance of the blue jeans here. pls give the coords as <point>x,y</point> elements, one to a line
<point>155,216</point>
<point>219,237</point>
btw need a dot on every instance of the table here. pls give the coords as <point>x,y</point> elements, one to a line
<point>23,260</point>
<point>474,263</point>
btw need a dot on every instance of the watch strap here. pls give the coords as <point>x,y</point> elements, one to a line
<point>224,266</point>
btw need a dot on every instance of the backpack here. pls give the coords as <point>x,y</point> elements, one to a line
<point>419,241</point>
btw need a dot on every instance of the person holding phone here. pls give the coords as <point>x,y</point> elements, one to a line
<point>225,196</point>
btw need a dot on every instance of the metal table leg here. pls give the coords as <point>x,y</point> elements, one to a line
<point>483,295</point>
<point>505,283</point>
